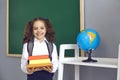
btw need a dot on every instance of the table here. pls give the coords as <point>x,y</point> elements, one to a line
<point>77,61</point>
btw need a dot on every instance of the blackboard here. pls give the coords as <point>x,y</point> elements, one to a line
<point>64,15</point>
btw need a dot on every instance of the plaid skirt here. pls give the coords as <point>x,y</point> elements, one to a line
<point>40,75</point>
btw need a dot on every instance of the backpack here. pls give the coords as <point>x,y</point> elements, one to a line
<point>30,46</point>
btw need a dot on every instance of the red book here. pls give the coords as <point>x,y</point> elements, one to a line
<point>38,57</point>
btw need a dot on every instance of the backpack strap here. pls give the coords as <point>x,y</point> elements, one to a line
<point>50,49</point>
<point>30,46</point>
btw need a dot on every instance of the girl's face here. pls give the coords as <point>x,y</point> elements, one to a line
<point>39,30</point>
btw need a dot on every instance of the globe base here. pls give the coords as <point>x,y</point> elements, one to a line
<point>89,57</point>
<point>89,60</point>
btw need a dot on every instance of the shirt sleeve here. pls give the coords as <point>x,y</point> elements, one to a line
<point>54,59</point>
<point>24,58</point>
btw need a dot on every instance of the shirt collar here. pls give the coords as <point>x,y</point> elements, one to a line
<point>35,39</point>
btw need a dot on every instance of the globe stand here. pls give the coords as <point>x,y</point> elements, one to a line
<point>89,57</point>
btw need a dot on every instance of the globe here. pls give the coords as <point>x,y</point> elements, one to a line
<point>88,39</point>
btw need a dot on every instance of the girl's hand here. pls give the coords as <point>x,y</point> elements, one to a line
<point>37,69</point>
<point>48,68</point>
<point>30,70</point>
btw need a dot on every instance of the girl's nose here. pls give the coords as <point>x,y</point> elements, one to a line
<point>39,29</point>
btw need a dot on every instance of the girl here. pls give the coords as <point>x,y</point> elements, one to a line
<point>40,31</point>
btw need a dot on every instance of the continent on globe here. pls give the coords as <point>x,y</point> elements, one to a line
<point>92,37</point>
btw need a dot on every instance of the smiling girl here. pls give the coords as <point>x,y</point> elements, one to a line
<point>40,31</point>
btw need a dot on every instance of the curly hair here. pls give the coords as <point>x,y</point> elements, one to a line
<point>50,34</point>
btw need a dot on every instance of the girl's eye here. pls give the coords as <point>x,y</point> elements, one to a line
<point>35,28</point>
<point>42,28</point>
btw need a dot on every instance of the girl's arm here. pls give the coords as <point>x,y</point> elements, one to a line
<point>24,59</point>
<point>54,59</point>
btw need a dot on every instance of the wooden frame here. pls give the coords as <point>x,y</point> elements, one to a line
<point>81,15</point>
<point>7,26</point>
<point>7,31</point>
<point>82,20</point>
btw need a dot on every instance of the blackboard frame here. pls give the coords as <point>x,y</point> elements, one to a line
<point>7,32</point>
<point>82,21</point>
<point>7,26</point>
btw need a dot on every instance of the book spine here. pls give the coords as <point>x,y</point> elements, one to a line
<point>39,61</point>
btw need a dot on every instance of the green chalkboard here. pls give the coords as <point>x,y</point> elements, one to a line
<point>64,15</point>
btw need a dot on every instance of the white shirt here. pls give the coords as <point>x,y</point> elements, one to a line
<point>40,48</point>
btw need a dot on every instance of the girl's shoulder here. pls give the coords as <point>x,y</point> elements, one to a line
<point>25,44</point>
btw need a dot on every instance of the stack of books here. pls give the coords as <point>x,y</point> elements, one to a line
<point>39,61</point>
